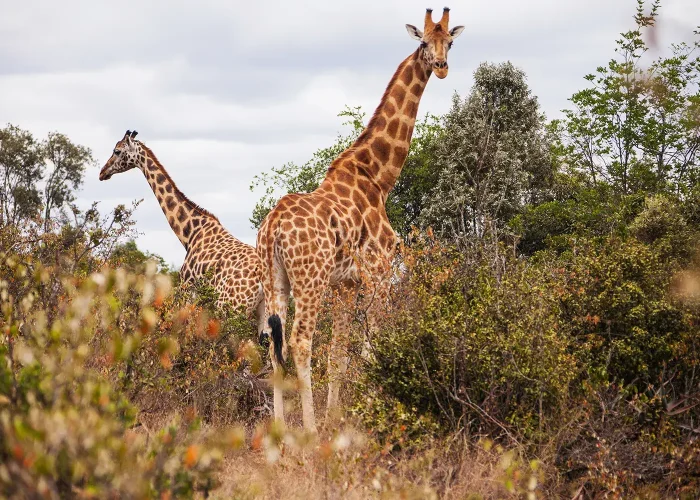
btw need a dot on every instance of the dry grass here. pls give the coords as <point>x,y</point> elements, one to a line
<point>347,464</point>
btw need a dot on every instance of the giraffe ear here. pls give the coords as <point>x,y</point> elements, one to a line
<point>414,32</point>
<point>456,31</point>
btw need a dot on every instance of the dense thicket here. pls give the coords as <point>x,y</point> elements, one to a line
<point>546,298</point>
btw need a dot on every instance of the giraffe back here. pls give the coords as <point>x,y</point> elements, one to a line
<point>234,266</point>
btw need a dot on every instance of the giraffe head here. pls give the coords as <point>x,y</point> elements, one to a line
<point>435,41</point>
<point>126,155</point>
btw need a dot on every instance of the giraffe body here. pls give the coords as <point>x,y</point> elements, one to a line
<point>309,242</point>
<point>210,247</point>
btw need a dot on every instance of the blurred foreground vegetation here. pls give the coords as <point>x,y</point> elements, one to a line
<point>543,337</point>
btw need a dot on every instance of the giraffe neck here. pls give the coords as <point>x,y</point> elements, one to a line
<point>381,149</point>
<point>185,217</point>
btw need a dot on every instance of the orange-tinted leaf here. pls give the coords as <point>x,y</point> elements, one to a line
<point>191,456</point>
<point>213,328</point>
<point>165,361</point>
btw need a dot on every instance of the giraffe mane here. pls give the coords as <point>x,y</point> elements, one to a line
<point>190,204</point>
<point>368,129</point>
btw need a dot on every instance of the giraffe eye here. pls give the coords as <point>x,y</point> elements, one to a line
<point>449,45</point>
<point>116,152</point>
<point>424,44</point>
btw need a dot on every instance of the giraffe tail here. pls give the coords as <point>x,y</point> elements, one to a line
<point>275,324</point>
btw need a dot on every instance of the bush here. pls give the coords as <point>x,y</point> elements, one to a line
<point>626,325</point>
<point>626,444</point>
<point>473,345</point>
<point>587,212</point>
<point>193,357</point>
<point>64,430</point>
<point>559,355</point>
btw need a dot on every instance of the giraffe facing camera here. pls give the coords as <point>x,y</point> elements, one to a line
<point>313,241</point>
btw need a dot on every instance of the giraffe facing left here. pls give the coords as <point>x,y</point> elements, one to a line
<point>209,246</point>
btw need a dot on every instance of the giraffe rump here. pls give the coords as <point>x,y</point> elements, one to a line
<point>275,324</point>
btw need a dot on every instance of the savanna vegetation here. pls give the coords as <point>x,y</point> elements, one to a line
<point>542,338</point>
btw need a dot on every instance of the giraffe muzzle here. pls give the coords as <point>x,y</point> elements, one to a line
<point>104,175</point>
<point>440,69</point>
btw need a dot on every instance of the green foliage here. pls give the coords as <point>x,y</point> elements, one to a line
<point>64,429</point>
<point>587,212</point>
<point>23,165</point>
<point>293,178</point>
<point>636,129</point>
<point>465,342</point>
<point>617,304</point>
<point>130,257</point>
<point>493,157</point>
<point>396,426</point>
<point>68,163</point>
<point>529,351</point>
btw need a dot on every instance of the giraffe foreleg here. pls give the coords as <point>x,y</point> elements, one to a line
<point>377,290</point>
<point>260,311</point>
<point>343,311</point>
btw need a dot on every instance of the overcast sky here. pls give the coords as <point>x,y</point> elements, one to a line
<point>222,90</point>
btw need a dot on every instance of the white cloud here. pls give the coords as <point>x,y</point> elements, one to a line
<point>224,90</point>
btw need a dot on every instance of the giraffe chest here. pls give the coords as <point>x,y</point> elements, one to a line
<point>369,243</point>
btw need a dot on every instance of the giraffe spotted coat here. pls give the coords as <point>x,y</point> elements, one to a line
<point>309,242</point>
<point>210,247</point>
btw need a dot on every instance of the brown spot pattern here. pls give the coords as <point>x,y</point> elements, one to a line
<point>381,149</point>
<point>399,95</point>
<point>393,127</point>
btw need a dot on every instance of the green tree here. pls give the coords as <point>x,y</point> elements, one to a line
<point>21,167</point>
<point>129,256</point>
<point>69,161</point>
<point>24,163</point>
<point>293,178</point>
<point>637,128</point>
<point>670,136</point>
<point>493,157</point>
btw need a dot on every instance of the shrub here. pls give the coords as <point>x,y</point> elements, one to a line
<point>64,430</point>
<point>621,315</point>
<point>560,355</point>
<point>587,212</point>
<point>473,345</point>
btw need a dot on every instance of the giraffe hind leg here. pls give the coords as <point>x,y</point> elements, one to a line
<point>274,318</point>
<point>307,300</point>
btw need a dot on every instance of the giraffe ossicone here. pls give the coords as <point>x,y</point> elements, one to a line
<point>302,241</point>
<point>234,265</point>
